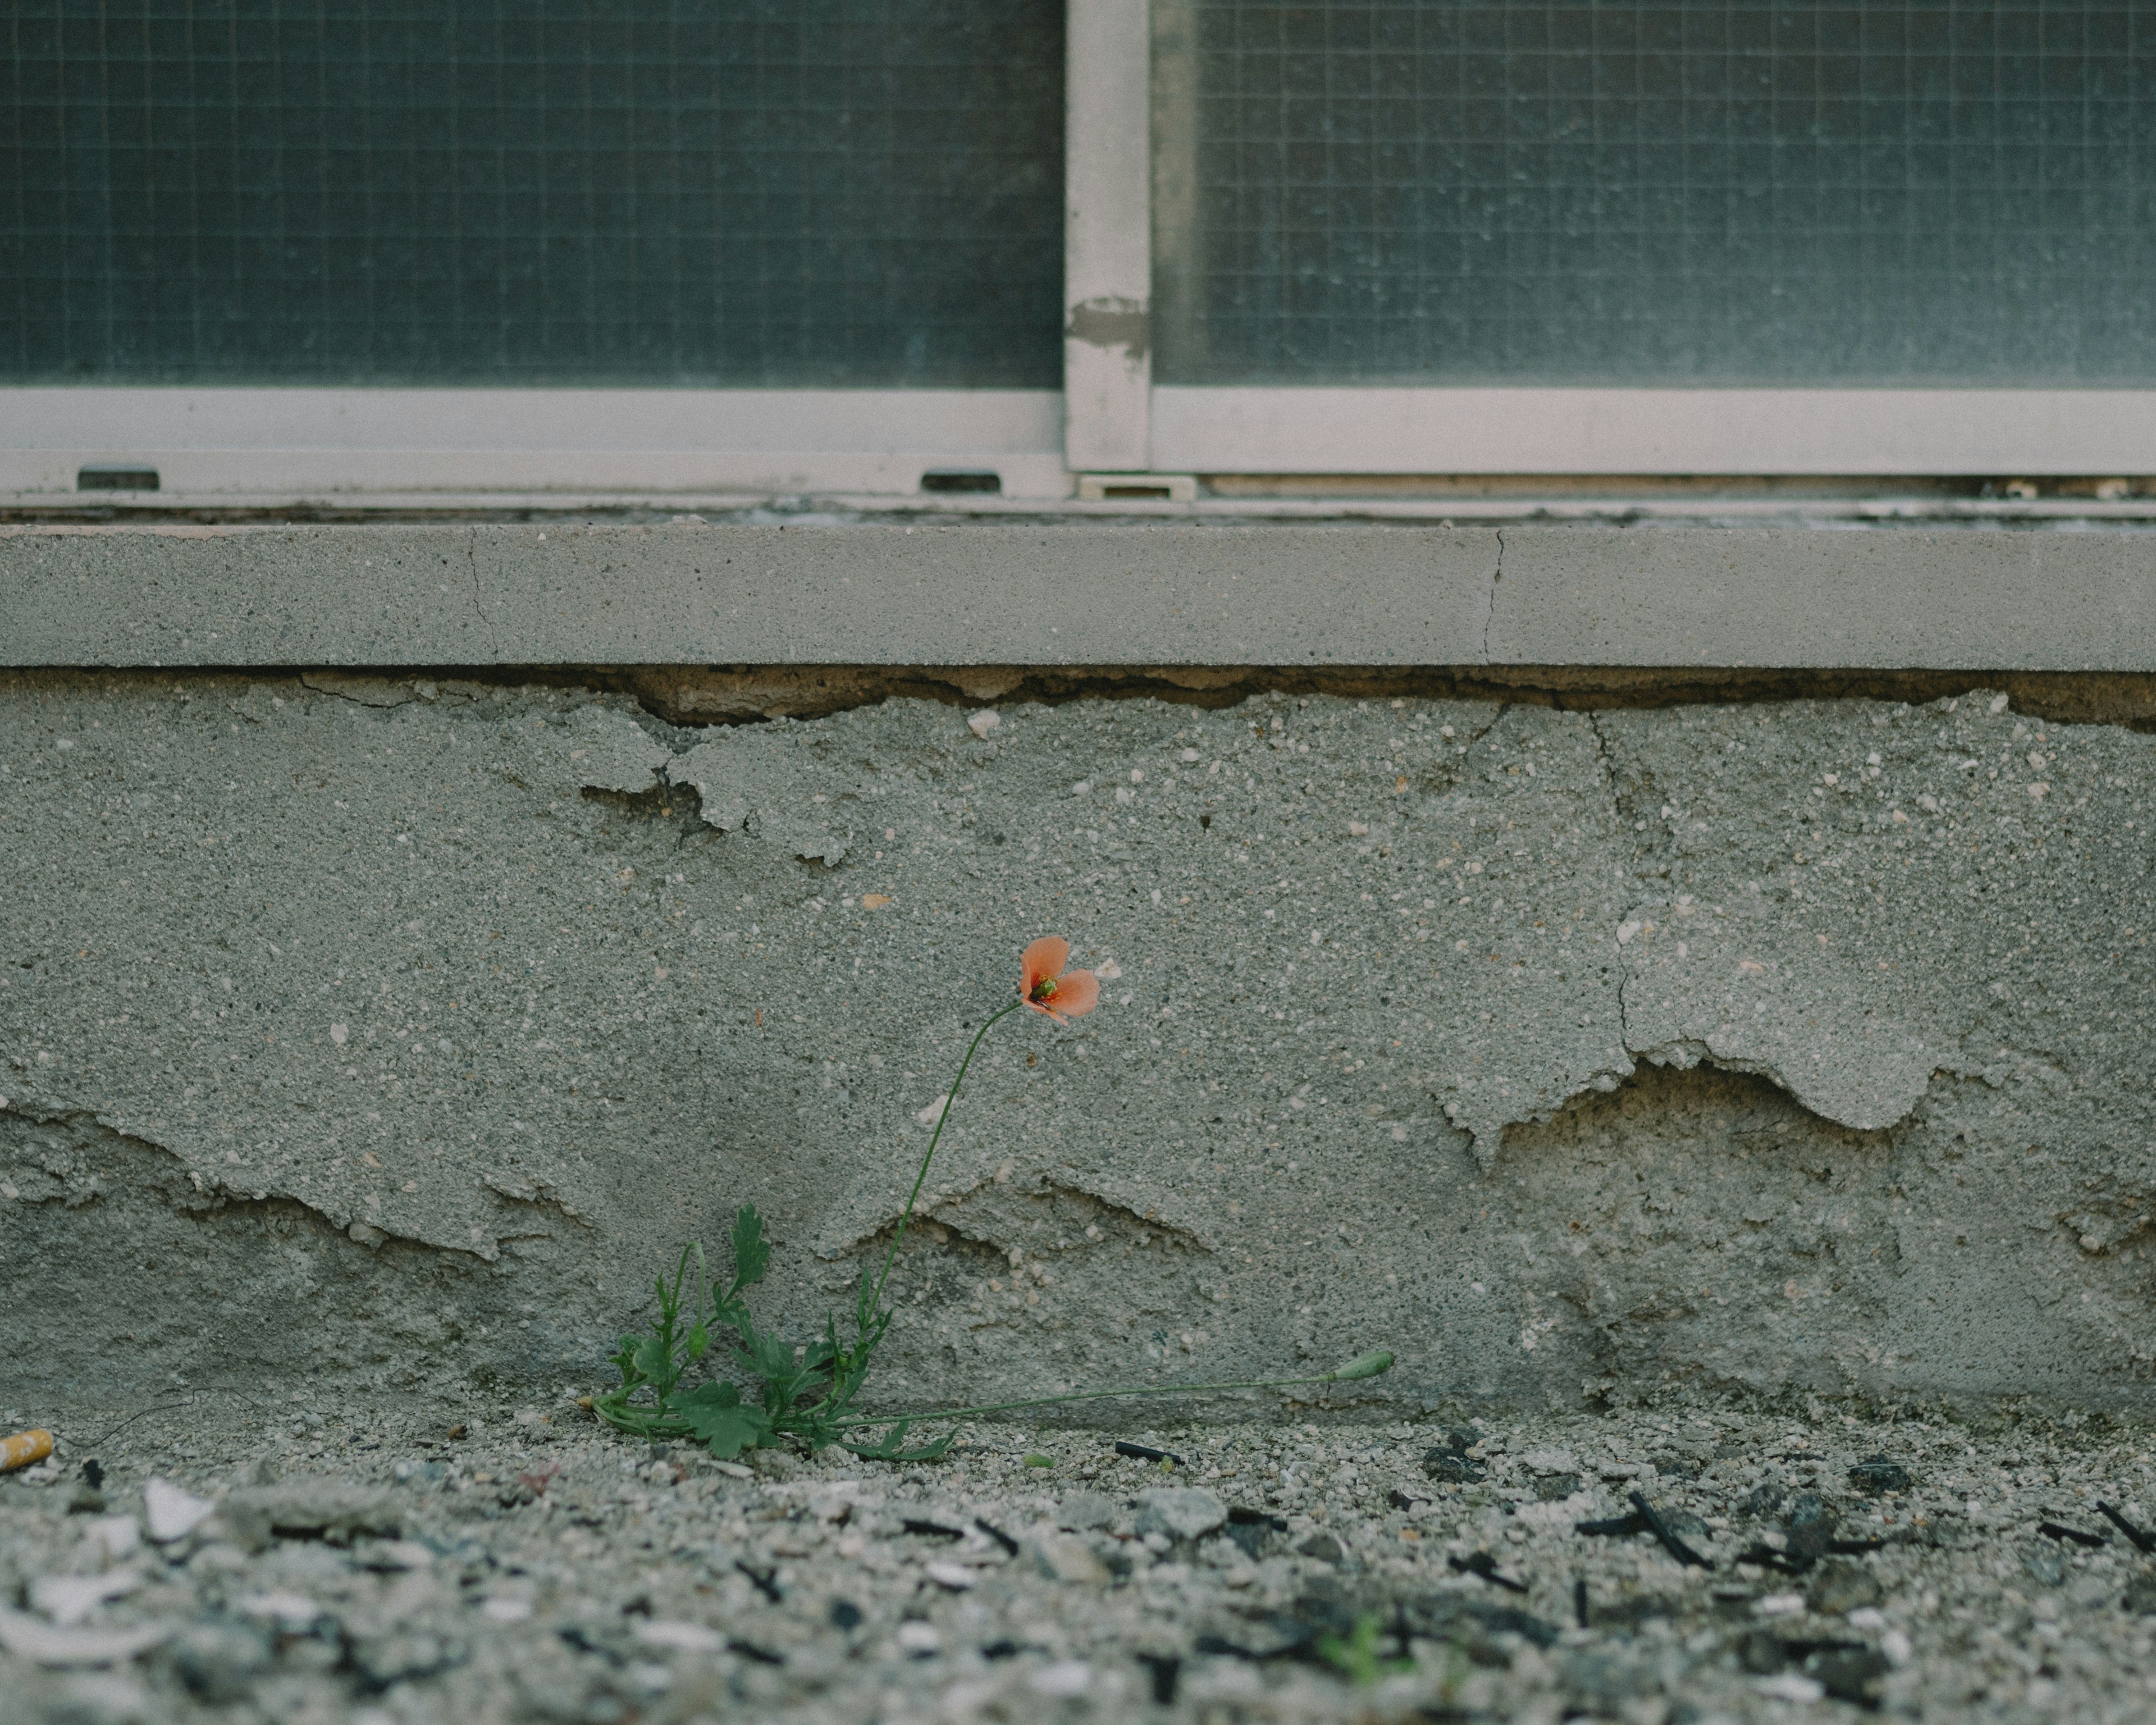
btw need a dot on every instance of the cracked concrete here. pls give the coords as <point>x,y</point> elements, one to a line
<point>1783,1045</point>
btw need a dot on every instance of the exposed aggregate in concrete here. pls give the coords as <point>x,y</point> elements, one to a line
<point>478,1561</point>
<point>1778,1047</point>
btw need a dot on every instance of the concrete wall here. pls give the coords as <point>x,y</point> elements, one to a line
<point>387,1028</point>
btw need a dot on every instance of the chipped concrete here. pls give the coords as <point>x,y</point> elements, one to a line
<point>390,1027</point>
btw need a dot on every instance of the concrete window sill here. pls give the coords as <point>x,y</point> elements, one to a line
<point>1065,591</point>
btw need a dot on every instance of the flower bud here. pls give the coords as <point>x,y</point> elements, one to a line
<point>1368,1365</point>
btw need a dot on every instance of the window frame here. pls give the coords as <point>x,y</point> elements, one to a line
<point>279,445</point>
<point>237,446</point>
<point>1342,429</point>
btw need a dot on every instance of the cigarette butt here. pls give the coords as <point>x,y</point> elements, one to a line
<point>23,1449</point>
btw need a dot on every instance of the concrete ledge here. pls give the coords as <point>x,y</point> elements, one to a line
<point>1062,594</point>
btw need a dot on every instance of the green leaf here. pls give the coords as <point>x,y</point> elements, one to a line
<point>1368,1365</point>
<point>767,1356</point>
<point>716,1414</point>
<point>751,1255</point>
<point>1355,1655</point>
<point>891,1449</point>
<point>652,1362</point>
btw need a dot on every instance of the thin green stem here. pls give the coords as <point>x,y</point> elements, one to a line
<point>1094,1395</point>
<point>906,1215</point>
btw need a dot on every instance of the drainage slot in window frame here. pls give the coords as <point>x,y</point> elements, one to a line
<point>963,481</point>
<point>116,479</point>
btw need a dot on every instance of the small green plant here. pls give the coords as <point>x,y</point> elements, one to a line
<point>806,1395</point>
<point>1355,1654</point>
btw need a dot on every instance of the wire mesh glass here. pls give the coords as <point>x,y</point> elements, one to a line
<point>1698,192</point>
<point>782,192</point>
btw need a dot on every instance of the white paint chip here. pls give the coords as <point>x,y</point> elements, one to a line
<point>678,1637</point>
<point>172,1513</point>
<point>1066,1680</point>
<point>70,1599</point>
<point>51,1645</point>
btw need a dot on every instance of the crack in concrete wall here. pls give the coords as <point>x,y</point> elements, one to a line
<point>534,982</point>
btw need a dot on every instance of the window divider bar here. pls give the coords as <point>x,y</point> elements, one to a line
<point>1107,268</point>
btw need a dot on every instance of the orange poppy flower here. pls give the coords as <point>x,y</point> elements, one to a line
<point>1046,986</point>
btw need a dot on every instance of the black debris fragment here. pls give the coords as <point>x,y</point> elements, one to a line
<point>1579,1600</point>
<point>845,1614</point>
<point>1400,1501</point>
<point>1166,1673</point>
<point>749,1649</point>
<point>1764,1499</point>
<point>1876,1476</point>
<point>93,1473</point>
<point>765,1581</point>
<point>996,1533</point>
<point>1481,1565</point>
<point>1451,1468</point>
<point>2060,1531</point>
<point>1856,1675</point>
<point>1807,1546</point>
<point>1614,1528</point>
<point>572,1635</point>
<point>931,1530</point>
<point>1251,1529</point>
<point>2143,1543</point>
<point>1662,1531</point>
<point>1144,1452</point>
<point>1450,1463</point>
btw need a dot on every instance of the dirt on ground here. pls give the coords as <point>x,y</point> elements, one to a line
<point>285,1558</point>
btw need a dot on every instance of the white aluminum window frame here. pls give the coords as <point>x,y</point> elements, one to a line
<point>241,447</point>
<point>238,447</point>
<point>1118,418</point>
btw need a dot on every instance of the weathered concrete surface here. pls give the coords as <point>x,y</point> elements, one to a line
<point>1070,593</point>
<point>403,1031</point>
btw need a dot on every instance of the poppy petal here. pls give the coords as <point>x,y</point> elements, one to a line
<point>1077,993</point>
<point>1044,960</point>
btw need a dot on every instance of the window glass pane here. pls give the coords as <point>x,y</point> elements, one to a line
<point>546,191</point>
<point>1693,192</point>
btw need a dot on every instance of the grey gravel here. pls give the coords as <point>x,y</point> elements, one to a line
<point>364,1566</point>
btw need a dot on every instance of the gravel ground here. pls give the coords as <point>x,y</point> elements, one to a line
<point>499,1562</point>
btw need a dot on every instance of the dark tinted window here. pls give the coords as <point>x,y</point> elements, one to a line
<point>540,192</point>
<point>1699,191</point>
